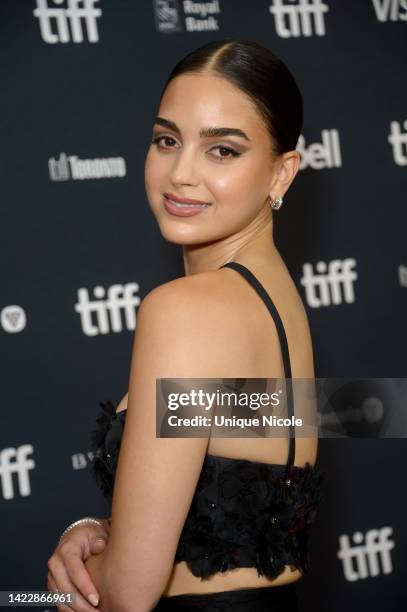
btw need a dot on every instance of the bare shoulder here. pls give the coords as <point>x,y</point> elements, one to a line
<point>187,326</point>
<point>203,297</point>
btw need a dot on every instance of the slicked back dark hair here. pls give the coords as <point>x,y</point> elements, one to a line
<point>261,75</point>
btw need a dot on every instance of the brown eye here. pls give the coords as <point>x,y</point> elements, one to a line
<point>226,152</point>
<point>157,139</point>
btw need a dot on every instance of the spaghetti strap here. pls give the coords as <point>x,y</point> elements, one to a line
<point>255,283</point>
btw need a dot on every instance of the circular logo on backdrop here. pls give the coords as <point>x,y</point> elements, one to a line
<point>13,319</point>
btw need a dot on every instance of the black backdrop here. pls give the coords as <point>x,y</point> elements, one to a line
<point>80,248</point>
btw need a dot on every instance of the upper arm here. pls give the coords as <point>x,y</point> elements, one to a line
<point>177,328</point>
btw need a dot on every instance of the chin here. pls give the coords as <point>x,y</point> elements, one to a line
<point>182,233</point>
<point>182,236</point>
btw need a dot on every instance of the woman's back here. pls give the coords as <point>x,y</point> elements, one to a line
<point>254,352</point>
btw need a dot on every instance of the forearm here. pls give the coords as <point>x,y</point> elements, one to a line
<point>108,584</point>
<point>96,568</point>
<point>113,597</point>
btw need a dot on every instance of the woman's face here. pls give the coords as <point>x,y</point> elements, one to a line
<point>230,172</point>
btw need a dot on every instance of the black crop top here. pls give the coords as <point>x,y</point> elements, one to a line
<point>244,513</point>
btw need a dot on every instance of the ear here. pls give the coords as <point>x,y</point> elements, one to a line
<point>284,174</point>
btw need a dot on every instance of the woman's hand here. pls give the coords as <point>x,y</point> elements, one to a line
<point>66,567</point>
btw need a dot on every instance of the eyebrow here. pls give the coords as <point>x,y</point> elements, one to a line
<point>208,132</point>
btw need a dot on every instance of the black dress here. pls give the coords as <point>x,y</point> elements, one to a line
<point>243,514</point>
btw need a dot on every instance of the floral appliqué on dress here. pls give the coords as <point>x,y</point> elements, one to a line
<point>243,513</point>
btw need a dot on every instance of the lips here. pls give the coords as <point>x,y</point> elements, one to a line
<point>182,209</point>
<point>174,198</point>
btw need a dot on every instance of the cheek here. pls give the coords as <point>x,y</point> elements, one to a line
<point>240,182</point>
<point>222,183</point>
<point>155,169</point>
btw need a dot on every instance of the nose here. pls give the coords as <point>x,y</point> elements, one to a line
<point>184,171</point>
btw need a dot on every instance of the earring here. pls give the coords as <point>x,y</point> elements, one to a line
<point>276,203</point>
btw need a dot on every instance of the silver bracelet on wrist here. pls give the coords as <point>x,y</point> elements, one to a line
<point>82,521</point>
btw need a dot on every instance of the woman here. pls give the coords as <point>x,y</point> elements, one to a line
<point>222,158</point>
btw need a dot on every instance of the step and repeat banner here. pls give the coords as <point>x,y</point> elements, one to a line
<point>80,80</point>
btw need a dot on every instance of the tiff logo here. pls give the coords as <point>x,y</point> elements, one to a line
<point>321,155</point>
<point>362,559</point>
<point>398,140</point>
<point>329,280</point>
<point>296,20</point>
<point>77,12</point>
<point>120,298</point>
<point>390,10</point>
<point>15,461</point>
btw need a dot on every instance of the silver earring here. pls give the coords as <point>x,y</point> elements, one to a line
<point>276,203</point>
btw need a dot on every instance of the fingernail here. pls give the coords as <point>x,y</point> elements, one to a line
<point>94,599</point>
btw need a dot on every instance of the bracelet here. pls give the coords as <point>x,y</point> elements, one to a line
<point>82,521</point>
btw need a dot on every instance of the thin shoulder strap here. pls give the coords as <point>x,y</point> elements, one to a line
<point>255,283</point>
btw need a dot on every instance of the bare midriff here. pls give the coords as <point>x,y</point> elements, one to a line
<point>182,581</point>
